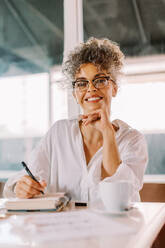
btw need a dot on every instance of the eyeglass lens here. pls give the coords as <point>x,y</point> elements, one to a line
<point>98,83</point>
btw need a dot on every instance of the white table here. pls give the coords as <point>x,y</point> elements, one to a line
<point>138,228</point>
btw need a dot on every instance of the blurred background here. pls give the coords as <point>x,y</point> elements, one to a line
<point>35,35</point>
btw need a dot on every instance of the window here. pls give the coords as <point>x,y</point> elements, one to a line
<point>31,43</point>
<point>140,103</point>
<point>24,108</point>
<point>138,26</point>
<point>31,36</point>
<point>141,106</point>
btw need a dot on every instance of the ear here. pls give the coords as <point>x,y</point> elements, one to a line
<point>114,89</point>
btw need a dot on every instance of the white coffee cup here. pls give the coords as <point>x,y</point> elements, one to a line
<point>116,195</point>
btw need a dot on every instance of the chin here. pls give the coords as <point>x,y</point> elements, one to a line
<point>93,108</point>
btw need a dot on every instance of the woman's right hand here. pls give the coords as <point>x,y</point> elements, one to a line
<point>26,187</point>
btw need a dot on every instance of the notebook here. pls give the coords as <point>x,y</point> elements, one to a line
<point>55,202</point>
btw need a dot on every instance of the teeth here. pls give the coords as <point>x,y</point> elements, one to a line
<point>93,98</point>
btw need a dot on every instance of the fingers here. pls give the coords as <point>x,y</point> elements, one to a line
<point>32,183</point>
<point>26,187</point>
<point>43,184</point>
<point>20,193</point>
<point>90,118</point>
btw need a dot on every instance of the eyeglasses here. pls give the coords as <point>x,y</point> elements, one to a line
<point>98,83</point>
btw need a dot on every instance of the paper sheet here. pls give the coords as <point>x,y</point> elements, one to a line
<point>50,227</point>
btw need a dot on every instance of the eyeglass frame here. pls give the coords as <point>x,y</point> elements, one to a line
<point>107,78</point>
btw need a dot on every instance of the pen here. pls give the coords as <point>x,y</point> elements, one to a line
<point>81,204</point>
<point>30,174</point>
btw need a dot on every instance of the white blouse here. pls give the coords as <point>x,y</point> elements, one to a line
<point>59,159</point>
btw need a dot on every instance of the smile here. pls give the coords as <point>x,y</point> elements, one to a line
<point>93,99</point>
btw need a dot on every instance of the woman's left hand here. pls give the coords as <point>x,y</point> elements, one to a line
<point>99,119</point>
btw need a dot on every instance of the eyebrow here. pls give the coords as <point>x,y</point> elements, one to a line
<point>97,75</point>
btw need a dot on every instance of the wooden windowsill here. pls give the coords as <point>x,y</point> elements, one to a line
<point>158,178</point>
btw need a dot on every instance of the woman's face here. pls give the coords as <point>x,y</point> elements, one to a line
<point>92,98</point>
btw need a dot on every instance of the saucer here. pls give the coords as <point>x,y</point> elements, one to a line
<point>108,212</point>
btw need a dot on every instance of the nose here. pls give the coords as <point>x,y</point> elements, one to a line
<point>91,87</point>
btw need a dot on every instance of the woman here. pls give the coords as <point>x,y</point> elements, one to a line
<point>75,155</point>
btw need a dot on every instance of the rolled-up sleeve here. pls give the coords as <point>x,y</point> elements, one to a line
<point>38,163</point>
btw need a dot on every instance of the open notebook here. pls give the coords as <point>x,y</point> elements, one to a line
<point>55,202</point>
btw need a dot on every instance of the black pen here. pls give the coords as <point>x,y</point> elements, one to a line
<point>30,174</point>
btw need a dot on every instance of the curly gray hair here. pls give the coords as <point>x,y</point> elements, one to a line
<point>103,53</point>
